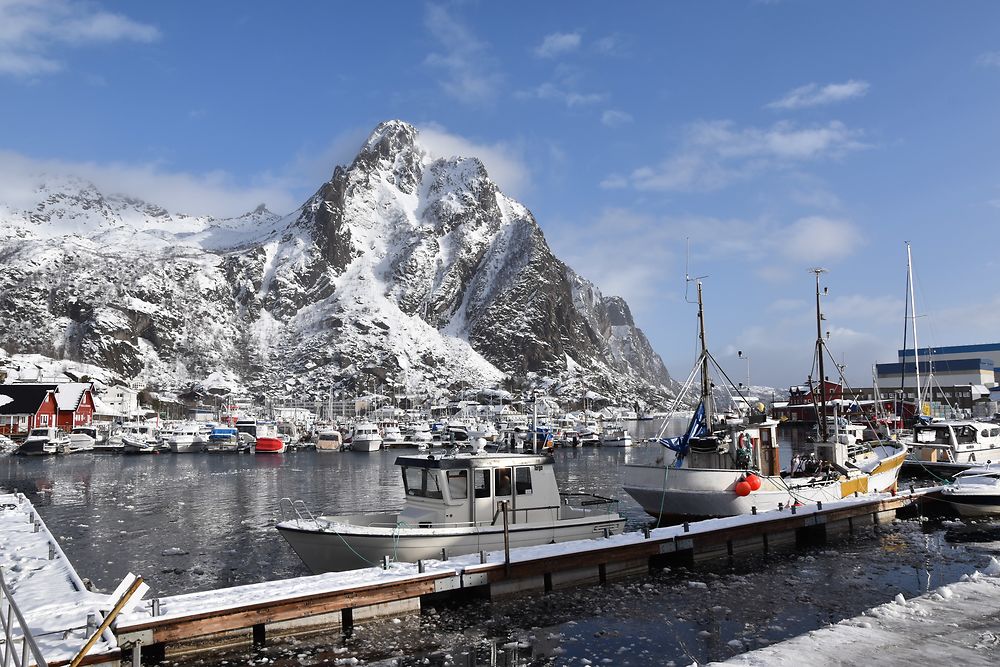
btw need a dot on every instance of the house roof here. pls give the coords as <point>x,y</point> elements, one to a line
<point>25,399</point>
<point>69,394</point>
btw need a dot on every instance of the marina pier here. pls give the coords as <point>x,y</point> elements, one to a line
<point>255,613</point>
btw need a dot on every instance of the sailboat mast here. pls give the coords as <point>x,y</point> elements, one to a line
<point>706,387</point>
<point>913,314</point>
<point>824,434</point>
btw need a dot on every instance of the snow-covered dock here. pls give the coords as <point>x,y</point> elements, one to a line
<point>50,594</point>
<point>251,613</point>
<point>952,625</point>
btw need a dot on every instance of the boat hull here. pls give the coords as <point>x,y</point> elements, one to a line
<point>269,445</point>
<point>344,545</point>
<point>974,505</point>
<point>672,493</point>
<point>365,445</point>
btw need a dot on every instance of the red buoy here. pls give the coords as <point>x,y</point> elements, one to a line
<point>754,481</point>
<point>743,488</point>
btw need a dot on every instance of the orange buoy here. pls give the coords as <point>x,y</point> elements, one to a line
<point>754,481</point>
<point>743,488</point>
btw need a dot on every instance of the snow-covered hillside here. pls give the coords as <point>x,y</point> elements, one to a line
<point>401,268</point>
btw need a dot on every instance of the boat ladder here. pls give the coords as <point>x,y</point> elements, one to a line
<point>13,623</point>
<point>295,509</point>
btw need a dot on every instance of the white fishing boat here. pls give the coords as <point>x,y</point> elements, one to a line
<point>365,437</point>
<point>187,438</point>
<point>392,436</point>
<point>458,504</point>
<point>44,441</point>
<point>730,466</point>
<point>418,433</point>
<point>82,439</point>
<point>975,491</point>
<point>139,438</point>
<point>616,435</point>
<point>953,445</point>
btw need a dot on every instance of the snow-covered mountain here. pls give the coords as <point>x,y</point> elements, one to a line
<point>401,268</point>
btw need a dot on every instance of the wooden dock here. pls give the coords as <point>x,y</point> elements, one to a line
<point>250,614</point>
<point>210,620</point>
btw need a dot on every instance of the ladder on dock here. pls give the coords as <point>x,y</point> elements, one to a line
<point>13,624</point>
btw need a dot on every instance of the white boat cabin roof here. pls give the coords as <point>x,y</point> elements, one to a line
<point>465,461</point>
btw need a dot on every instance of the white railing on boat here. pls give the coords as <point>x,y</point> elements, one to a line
<point>13,622</point>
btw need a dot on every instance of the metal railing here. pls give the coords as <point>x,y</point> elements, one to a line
<point>12,621</point>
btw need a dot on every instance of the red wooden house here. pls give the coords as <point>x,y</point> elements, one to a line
<point>29,405</point>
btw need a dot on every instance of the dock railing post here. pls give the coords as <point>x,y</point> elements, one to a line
<point>506,538</point>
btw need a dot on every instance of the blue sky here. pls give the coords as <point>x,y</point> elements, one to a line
<point>775,135</point>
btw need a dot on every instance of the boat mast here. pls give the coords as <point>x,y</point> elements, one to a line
<point>824,434</point>
<point>913,315</point>
<point>706,385</point>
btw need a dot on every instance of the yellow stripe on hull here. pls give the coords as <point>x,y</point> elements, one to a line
<point>859,485</point>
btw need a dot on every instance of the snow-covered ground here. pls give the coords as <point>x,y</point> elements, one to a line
<point>49,593</point>
<point>953,625</point>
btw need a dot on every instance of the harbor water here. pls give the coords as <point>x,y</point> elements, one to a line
<point>192,522</point>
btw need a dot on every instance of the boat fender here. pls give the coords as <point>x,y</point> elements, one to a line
<point>743,488</point>
<point>753,481</point>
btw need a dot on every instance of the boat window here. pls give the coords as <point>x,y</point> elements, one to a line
<point>482,481</point>
<point>421,482</point>
<point>522,481</point>
<point>985,433</point>
<point>502,481</point>
<point>994,432</point>
<point>458,484</point>
<point>39,431</point>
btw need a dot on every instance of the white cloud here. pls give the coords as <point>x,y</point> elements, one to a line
<point>713,154</point>
<point>503,162</point>
<point>989,59</point>
<point>468,72</point>
<point>813,95</point>
<point>214,193</point>
<point>817,239</point>
<point>30,30</point>
<point>611,45</point>
<point>554,92</point>
<point>557,44</point>
<point>614,182</point>
<point>616,118</point>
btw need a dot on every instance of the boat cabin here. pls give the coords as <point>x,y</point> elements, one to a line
<point>750,447</point>
<point>464,489</point>
<point>940,440</point>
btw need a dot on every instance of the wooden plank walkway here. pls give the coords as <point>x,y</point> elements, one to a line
<point>332,599</point>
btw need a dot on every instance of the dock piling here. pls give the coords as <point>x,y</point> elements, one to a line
<point>259,635</point>
<point>385,561</point>
<point>420,565</point>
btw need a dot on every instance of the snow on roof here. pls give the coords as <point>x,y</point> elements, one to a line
<point>69,394</point>
<point>102,408</point>
<point>4,399</point>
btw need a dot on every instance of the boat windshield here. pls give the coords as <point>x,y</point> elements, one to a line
<point>938,435</point>
<point>38,432</point>
<point>421,483</point>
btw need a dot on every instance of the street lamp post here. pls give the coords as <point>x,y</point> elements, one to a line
<point>740,354</point>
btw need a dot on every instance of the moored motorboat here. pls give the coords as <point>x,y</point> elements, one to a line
<point>82,439</point>
<point>329,440</point>
<point>223,439</point>
<point>953,445</point>
<point>186,438</point>
<point>455,503</point>
<point>44,441</point>
<point>616,435</point>
<point>268,440</point>
<point>975,491</point>
<point>365,437</point>
<point>139,438</point>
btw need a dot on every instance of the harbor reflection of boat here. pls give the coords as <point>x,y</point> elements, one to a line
<point>726,466</point>
<point>456,503</point>
<point>975,492</point>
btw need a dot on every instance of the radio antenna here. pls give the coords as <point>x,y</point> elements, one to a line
<point>687,275</point>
